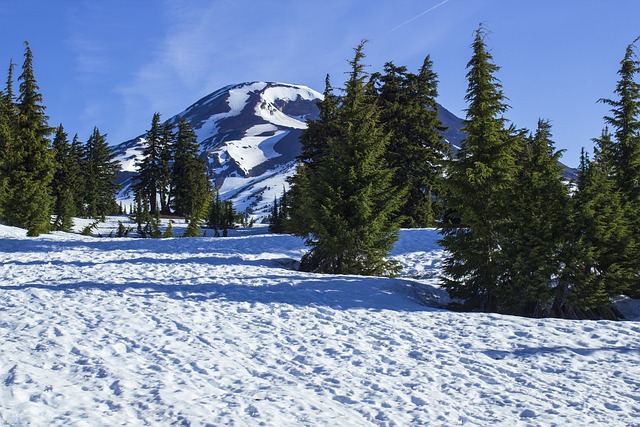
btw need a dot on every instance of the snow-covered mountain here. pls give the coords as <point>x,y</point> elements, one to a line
<point>250,135</point>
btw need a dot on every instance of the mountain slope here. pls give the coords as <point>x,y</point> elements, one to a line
<point>249,134</point>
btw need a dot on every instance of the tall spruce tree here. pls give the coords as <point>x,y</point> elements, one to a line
<point>100,175</point>
<point>625,152</point>
<point>353,205</point>
<point>409,111</point>
<point>164,164</point>
<point>78,166</point>
<point>191,188</point>
<point>600,266</point>
<point>314,142</point>
<point>533,246</point>
<point>625,123</point>
<point>149,170</point>
<point>29,159</point>
<point>477,188</point>
<point>8,131</point>
<point>66,181</point>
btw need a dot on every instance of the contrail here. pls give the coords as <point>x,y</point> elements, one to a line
<point>418,16</point>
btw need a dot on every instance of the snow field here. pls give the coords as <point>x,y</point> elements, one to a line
<point>222,331</point>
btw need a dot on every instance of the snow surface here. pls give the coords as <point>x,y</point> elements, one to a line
<point>224,331</point>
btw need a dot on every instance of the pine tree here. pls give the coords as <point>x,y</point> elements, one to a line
<point>625,121</point>
<point>168,232</point>
<point>532,248</point>
<point>100,174</point>
<point>164,164</point>
<point>351,199</point>
<point>66,180</point>
<point>191,188</point>
<point>600,266</point>
<point>77,164</point>
<point>8,131</point>
<point>314,148</point>
<point>29,162</point>
<point>216,214</point>
<point>625,152</point>
<point>416,150</point>
<point>149,170</point>
<point>477,188</point>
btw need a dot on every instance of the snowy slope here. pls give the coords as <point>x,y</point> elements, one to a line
<point>247,132</point>
<point>221,331</point>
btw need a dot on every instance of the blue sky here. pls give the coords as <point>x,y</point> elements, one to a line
<point>113,63</point>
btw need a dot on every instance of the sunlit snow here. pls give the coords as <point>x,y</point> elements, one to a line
<point>224,331</point>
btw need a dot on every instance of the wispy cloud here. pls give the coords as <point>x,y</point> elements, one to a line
<point>418,16</point>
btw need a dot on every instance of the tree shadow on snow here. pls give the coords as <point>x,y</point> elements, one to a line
<point>336,292</point>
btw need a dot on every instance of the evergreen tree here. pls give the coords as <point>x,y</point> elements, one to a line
<point>533,246</point>
<point>29,161</point>
<point>149,170</point>
<point>78,167</point>
<point>191,186</point>
<point>351,202</point>
<point>8,131</point>
<point>600,266</point>
<point>477,188</point>
<point>100,174</point>
<point>625,152</point>
<point>416,151</point>
<point>625,121</point>
<point>164,164</point>
<point>66,180</point>
<point>314,148</point>
<point>168,232</point>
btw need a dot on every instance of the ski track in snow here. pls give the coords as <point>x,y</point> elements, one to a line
<point>222,331</point>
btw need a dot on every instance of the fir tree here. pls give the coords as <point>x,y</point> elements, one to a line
<point>625,122</point>
<point>149,170</point>
<point>600,266</point>
<point>77,163</point>
<point>314,148</point>
<point>625,153</point>
<point>8,132</point>
<point>532,247</point>
<point>168,232</point>
<point>28,203</point>
<point>190,183</point>
<point>66,180</point>
<point>100,174</point>
<point>164,164</point>
<point>477,188</point>
<point>416,150</point>
<point>352,204</point>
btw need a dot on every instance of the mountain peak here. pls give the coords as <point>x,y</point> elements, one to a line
<point>249,133</point>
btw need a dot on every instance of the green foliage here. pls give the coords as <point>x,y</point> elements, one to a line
<point>279,214</point>
<point>416,150</point>
<point>222,215</point>
<point>478,188</point>
<point>66,181</point>
<point>532,247</point>
<point>168,232</point>
<point>191,187</point>
<point>89,229</point>
<point>349,199</point>
<point>122,231</point>
<point>27,161</point>
<point>100,174</point>
<point>149,170</point>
